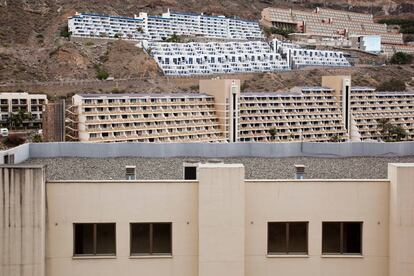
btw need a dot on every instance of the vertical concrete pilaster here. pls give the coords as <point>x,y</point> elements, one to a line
<point>401,247</point>
<point>22,221</point>
<point>221,219</point>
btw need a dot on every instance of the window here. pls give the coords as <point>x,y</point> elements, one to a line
<point>287,238</point>
<point>342,238</point>
<point>94,239</point>
<point>151,239</point>
<point>190,172</point>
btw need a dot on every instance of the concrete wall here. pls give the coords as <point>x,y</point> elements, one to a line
<point>315,202</point>
<point>22,221</point>
<point>401,219</point>
<point>212,150</point>
<point>21,154</point>
<point>219,223</point>
<point>122,203</point>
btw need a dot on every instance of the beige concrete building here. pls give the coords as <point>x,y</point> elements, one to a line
<point>334,111</point>
<point>28,103</point>
<point>321,25</point>
<point>217,224</point>
<point>146,118</point>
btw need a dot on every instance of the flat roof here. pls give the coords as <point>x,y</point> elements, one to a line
<point>256,168</point>
<point>146,95</point>
<point>271,94</point>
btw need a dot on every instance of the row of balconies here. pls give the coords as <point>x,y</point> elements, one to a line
<point>170,128</point>
<point>145,125</point>
<point>160,102</point>
<point>143,111</point>
<point>156,110</point>
<point>184,138</point>
<point>98,120</point>
<point>365,110</point>
<point>148,134</point>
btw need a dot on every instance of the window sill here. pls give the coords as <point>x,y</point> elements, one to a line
<point>92,257</point>
<point>151,257</point>
<point>343,256</point>
<point>287,256</point>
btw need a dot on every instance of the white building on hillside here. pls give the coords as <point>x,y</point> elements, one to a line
<point>298,57</point>
<point>95,25</point>
<point>186,59</point>
<point>162,27</point>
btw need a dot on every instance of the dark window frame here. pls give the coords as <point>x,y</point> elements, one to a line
<point>341,237</point>
<point>94,239</point>
<point>287,223</point>
<point>151,241</point>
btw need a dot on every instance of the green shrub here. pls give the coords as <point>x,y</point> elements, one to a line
<point>407,25</point>
<point>101,74</point>
<point>401,58</point>
<point>64,32</point>
<point>174,38</point>
<point>37,138</point>
<point>280,31</point>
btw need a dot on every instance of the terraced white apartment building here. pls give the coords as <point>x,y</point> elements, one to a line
<point>209,58</point>
<point>158,28</point>
<point>194,58</point>
<point>104,26</point>
<point>298,57</point>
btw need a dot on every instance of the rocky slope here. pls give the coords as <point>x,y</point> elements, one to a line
<point>32,49</point>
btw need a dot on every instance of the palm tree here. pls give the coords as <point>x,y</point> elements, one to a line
<point>17,119</point>
<point>390,132</point>
<point>273,133</point>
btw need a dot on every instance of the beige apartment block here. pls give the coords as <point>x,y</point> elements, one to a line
<point>28,103</point>
<point>368,106</point>
<point>146,118</point>
<point>335,25</point>
<point>334,111</point>
<point>217,224</point>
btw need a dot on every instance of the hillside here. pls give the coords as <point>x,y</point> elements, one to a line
<point>32,49</point>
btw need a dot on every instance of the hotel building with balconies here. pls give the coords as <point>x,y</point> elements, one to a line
<point>146,118</point>
<point>28,103</point>
<point>335,111</point>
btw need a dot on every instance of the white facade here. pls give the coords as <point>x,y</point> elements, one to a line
<point>162,27</point>
<point>95,25</point>
<point>298,57</point>
<point>213,26</point>
<point>186,59</point>
<point>194,58</point>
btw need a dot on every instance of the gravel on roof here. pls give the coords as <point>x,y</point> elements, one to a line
<point>256,168</point>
